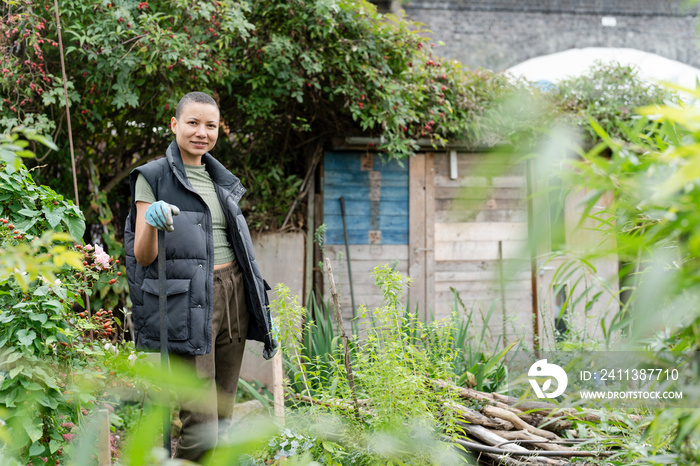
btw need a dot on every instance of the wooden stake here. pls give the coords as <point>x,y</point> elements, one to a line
<point>344,337</point>
<point>104,457</point>
<point>278,387</point>
<point>65,93</point>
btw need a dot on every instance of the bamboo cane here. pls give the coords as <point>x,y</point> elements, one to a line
<point>65,94</point>
<point>344,337</point>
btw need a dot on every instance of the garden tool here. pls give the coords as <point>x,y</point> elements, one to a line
<point>162,309</point>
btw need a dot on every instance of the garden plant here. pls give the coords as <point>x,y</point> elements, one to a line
<point>291,76</point>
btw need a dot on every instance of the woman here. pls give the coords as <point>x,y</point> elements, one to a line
<point>216,295</point>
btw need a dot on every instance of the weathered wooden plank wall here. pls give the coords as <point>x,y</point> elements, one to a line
<point>480,201</point>
<point>376,199</point>
<point>376,207</point>
<point>422,233</point>
<point>452,222</point>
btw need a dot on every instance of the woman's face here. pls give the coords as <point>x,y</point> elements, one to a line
<point>196,131</point>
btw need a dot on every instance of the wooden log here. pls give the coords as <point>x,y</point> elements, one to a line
<point>545,409</point>
<point>468,393</point>
<point>475,417</point>
<point>486,422</point>
<point>492,439</point>
<point>528,453</point>
<point>506,415</point>
<point>555,424</point>
<point>535,440</point>
<point>532,419</point>
<point>595,417</point>
<point>526,405</point>
<point>333,403</point>
<point>504,460</point>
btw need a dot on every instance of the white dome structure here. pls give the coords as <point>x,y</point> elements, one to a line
<point>575,62</point>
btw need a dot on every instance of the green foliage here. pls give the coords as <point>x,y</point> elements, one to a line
<point>273,194</point>
<point>287,74</point>
<point>47,355</point>
<point>651,169</point>
<point>12,149</point>
<point>33,208</point>
<point>475,363</point>
<point>609,94</point>
<point>289,326</point>
<point>398,351</point>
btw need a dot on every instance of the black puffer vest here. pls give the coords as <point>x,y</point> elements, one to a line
<point>190,261</point>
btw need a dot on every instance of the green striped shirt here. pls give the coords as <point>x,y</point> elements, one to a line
<point>201,182</point>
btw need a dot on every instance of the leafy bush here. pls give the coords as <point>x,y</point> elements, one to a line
<point>609,93</point>
<point>289,76</point>
<point>652,223</point>
<point>398,351</point>
<point>49,353</point>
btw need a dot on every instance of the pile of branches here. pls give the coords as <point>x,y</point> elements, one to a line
<point>505,430</point>
<point>509,431</point>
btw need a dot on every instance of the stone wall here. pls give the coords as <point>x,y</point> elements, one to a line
<point>498,34</point>
<point>281,260</point>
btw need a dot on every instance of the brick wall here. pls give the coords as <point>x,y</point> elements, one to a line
<point>498,34</point>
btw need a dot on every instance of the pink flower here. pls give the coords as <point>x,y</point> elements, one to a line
<point>68,437</point>
<point>101,257</point>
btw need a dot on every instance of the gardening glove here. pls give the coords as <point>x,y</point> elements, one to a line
<point>160,215</point>
<point>274,331</point>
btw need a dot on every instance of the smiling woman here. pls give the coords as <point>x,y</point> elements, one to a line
<point>198,131</point>
<point>214,287</point>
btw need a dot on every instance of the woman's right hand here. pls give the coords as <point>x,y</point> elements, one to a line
<point>160,215</point>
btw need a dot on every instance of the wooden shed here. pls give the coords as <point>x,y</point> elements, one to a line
<point>457,223</point>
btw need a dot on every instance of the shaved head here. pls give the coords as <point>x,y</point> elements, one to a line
<point>194,97</point>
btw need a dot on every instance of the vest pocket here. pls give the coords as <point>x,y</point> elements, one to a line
<point>178,308</point>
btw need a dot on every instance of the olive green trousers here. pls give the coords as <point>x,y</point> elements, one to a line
<point>206,419</point>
